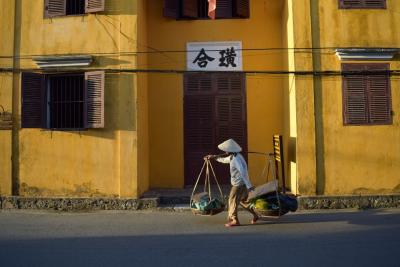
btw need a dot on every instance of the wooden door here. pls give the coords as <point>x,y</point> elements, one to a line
<point>214,110</point>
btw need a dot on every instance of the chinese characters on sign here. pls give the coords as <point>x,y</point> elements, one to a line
<point>214,56</point>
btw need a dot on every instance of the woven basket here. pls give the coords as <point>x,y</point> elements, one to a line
<point>210,212</point>
<point>270,213</point>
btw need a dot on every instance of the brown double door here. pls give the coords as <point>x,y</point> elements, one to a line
<point>214,111</point>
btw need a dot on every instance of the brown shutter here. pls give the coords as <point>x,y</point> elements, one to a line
<point>199,134</point>
<point>198,83</point>
<point>92,6</point>
<point>199,112</point>
<point>54,8</point>
<point>242,8</point>
<point>224,9</point>
<point>33,99</point>
<point>171,9</point>
<point>375,4</point>
<point>362,4</point>
<point>379,97</point>
<point>94,100</point>
<point>355,109</point>
<point>230,108</point>
<point>190,8</point>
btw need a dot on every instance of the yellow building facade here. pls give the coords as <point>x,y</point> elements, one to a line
<point>288,48</point>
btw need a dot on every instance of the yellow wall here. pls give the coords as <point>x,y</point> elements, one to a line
<point>264,92</point>
<point>102,162</point>
<point>142,143</point>
<point>6,95</point>
<point>358,159</point>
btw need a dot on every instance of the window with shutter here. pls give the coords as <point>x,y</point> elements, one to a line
<point>366,94</point>
<point>68,101</point>
<point>198,9</point>
<point>57,8</point>
<point>362,4</point>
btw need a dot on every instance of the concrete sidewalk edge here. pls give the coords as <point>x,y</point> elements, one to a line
<point>88,204</point>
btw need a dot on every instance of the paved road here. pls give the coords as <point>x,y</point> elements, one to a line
<point>340,238</point>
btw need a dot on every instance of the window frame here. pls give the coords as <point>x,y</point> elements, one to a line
<point>237,9</point>
<point>60,8</point>
<point>35,100</point>
<point>360,71</point>
<point>48,96</point>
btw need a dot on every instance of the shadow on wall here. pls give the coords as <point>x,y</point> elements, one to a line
<point>120,7</point>
<point>111,62</point>
<point>119,106</point>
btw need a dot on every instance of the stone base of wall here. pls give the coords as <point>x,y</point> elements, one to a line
<point>349,202</point>
<point>77,204</point>
<point>88,204</point>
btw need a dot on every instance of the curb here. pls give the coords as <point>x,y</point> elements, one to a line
<point>182,204</point>
<point>349,202</point>
<point>76,204</point>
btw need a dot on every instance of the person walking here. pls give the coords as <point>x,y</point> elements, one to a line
<point>240,181</point>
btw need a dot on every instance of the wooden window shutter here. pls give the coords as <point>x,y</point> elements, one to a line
<point>355,109</point>
<point>198,83</point>
<point>379,96</point>
<point>190,9</point>
<point>230,108</point>
<point>54,8</point>
<point>198,121</point>
<point>94,99</point>
<point>366,95</point>
<point>92,6</point>
<point>33,100</point>
<point>362,4</point>
<point>242,8</point>
<point>224,9</point>
<point>171,9</point>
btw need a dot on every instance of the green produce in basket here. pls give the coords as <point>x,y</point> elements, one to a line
<point>261,204</point>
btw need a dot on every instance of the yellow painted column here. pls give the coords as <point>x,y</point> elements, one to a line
<point>304,100</point>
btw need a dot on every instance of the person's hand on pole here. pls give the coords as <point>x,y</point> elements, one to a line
<point>208,157</point>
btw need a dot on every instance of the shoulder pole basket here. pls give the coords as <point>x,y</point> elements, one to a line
<point>207,189</point>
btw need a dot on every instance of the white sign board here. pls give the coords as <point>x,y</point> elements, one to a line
<point>214,56</point>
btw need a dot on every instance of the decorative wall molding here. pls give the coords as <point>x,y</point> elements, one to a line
<point>63,61</point>
<point>347,54</point>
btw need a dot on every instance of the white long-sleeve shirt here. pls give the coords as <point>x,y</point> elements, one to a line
<point>238,168</point>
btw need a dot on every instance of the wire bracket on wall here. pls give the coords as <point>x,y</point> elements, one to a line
<point>6,121</point>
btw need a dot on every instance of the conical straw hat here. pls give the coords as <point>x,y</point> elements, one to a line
<point>230,146</point>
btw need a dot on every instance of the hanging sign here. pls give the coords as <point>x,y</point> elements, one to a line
<point>214,56</point>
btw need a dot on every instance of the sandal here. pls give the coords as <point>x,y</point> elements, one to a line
<point>254,220</point>
<point>231,224</point>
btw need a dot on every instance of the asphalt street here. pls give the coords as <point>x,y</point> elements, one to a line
<point>149,238</point>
